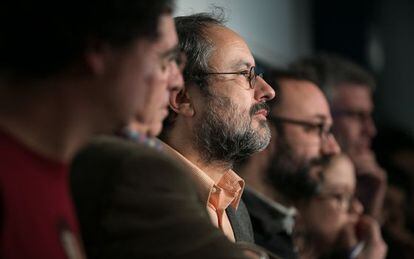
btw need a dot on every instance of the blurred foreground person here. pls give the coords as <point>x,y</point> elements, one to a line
<point>68,70</point>
<point>349,89</point>
<point>331,220</point>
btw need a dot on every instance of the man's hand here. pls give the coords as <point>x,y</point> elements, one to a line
<point>368,231</point>
<point>363,240</point>
<point>371,183</point>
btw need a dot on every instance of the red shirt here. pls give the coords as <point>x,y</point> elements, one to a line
<point>36,211</point>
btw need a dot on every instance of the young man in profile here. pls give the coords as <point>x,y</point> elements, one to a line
<point>68,70</point>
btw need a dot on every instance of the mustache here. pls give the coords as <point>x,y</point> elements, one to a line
<point>259,106</point>
<point>320,161</point>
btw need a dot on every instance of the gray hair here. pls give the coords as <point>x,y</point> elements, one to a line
<point>198,47</point>
<point>329,71</point>
<point>196,44</point>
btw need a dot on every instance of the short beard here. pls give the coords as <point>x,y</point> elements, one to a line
<point>225,134</point>
<point>291,176</point>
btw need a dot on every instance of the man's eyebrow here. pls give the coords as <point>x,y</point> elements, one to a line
<point>321,117</point>
<point>172,52</point>
<point>241,65</point>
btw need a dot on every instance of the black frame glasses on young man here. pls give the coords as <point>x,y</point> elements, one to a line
<point>249,74</point>
<point>324,131</point>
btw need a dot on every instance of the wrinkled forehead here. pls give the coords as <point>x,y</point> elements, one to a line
<point>230,51</point>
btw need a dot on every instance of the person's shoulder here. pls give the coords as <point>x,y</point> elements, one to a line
<point>112,149</point>
<point>110,145</point>
<point>111,159</point>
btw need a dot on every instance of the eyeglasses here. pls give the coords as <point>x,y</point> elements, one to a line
<point>249,74</point>
<point>343,201</point>
<point>324,131</point>
<point>359,115</point>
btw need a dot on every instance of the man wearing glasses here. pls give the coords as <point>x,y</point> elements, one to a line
<point>218,118</point>
<point>349,90</point>
<point>132,199</point>
<point>276,178</point>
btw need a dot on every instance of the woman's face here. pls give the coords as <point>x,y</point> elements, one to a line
<point>333,211</point>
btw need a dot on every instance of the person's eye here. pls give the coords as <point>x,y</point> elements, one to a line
<point>165,63</point>
<point>311,128</point>
<point>245,73</point>
<point>338,196</point>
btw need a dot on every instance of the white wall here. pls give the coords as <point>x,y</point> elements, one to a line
<point>277,31</point>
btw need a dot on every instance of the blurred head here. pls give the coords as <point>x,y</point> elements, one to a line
<point>333,209</point>
<point>349,89</point>
<point>111,52</point>
<point>354,127</point>
<point>302,136</point>
<point>223,103</point>
<point>162,68</point>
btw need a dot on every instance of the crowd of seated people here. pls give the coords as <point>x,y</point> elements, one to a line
<point>128,133</point>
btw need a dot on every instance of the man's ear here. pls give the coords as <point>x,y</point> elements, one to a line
<point>181,102</point>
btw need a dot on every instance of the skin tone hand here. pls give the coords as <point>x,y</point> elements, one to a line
<point>366,232</point>
<point>371,183</point>
<point>369,232</point>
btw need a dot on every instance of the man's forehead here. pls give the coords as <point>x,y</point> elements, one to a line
<point>353,96</point>
<point>230,49</point>
<point>168,38</point>
<point>303,100</point>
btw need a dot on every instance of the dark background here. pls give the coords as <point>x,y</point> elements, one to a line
<point>378,34</point>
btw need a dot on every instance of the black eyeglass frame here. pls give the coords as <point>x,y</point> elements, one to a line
<point>250,75</point>
<point>323,132</point>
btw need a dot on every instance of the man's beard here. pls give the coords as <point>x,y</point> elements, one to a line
<point>291,175</point>
<point>225,134</point>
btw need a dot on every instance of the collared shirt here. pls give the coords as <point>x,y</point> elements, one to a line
<point>272,223</point>
<point>218,195</point>
<point>287,214</point>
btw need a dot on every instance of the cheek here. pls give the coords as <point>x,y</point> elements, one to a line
<point>303,146</point>
<point>325,221</point>
<point>348,129</point>
<point>156,84</point>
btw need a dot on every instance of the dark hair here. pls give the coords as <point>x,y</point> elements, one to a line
<point>273,77</point>
<point>41,38</point>
<point>195,43</point>
<point>198,47</point>
<point>330,70</point>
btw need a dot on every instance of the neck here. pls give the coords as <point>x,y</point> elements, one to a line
<point>181,140</point>
<point>46,118</point>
